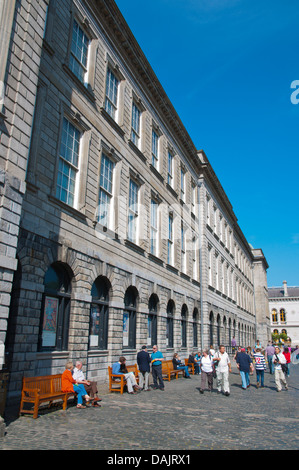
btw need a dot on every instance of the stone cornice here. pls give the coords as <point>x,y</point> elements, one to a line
<point>116,29</point>
<point>210,177</point>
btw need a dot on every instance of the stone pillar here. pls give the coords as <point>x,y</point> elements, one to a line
<point>260,266</point>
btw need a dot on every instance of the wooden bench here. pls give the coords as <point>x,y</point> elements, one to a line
<point>168,371</point>
<point>190,365</point>
<point>42,389</point>
<point>117,382</point>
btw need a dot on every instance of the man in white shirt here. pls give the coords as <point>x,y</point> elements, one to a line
<point>222,370</point>
<point>279,375</point>
<point>90,387</point>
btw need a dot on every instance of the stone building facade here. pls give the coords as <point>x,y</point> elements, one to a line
<point>21,31</point>
<point>227,266</point>
<point>124,234</point>
<point>284,311</point>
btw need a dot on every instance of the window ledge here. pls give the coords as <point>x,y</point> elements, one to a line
<point>173,192</point>
<point>134,247</point>
<point>156,173</point>
<point>112,123</point>
<point>155,259</point>
<point>185,276</point>
<point>67,208</point>
<point>86,90</point>
<point>172,269</point>
<point>136,150</point>
<point>44,355</point>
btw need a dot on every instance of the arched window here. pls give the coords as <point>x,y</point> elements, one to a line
<point>195,329</point>
<point>99,312</point>
<point>55,309</point>
<point>224,335</point>
<point>282,313</point>
<point>274,316</point>
<point>229,331</point>
<point>129,318</point>
<point>169,326</point>
<point>152,320</point>
<point>211,328</point>
<point>184,325</point>
<point>218,329</point>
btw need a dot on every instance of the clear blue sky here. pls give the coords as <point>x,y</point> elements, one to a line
<point>227,67</point>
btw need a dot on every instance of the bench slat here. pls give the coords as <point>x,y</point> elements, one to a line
<point>37,390</point>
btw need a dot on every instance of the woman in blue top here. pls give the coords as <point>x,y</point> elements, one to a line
<point>177,364</point>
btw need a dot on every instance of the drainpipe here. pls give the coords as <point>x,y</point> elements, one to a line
<point>200,235</point>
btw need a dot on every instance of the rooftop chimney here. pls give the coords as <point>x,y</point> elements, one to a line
<point>285,289</point>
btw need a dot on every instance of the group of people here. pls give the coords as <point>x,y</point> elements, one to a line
<point>210,365</point>
<point>147,362</point>
<point>203,364</point>
<point>278,362</point>
<point>144,362</point>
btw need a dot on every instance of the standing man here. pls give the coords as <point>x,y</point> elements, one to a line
<point>278,360</point>
<point>270,351</point>
<point>157,358</point>
<point>90,387</point>
<point>193,360</point>
<point>143,361</point>
<point>244,364</point>
<point>222,370</point>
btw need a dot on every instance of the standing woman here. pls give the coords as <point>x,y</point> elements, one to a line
<point>206,371</point>
<point>287,355</point>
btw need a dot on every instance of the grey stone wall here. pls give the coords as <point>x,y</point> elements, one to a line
<point>22,27</point>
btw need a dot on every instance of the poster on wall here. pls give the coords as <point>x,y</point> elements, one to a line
<point>50,322</point>
<point>126,329</point>
<point>95,326</point>
<point>149,330</point>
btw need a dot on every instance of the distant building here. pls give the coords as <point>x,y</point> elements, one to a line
<point>284,311</point>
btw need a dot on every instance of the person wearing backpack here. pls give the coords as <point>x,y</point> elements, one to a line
<point>279,362</point>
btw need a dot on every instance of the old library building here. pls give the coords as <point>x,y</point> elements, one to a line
<point>115,230</point>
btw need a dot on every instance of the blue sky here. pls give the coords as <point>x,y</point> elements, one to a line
<point>227,67</point>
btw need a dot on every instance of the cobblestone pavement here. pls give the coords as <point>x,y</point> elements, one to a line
<point>178,419</point>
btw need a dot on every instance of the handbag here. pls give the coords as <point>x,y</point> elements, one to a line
<point>214,368</point>
<point>284,368</point>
